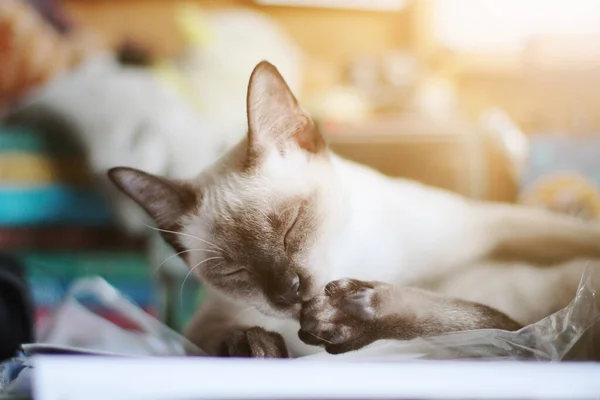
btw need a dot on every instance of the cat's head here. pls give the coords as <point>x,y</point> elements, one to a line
<point>258,224</point>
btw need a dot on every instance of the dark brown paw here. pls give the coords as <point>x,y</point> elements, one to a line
<point>254,342</point>
<point>344,318</point>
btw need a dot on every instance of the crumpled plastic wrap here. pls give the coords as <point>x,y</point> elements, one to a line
<point>80,327</point>
<point>567,334</point>
<point>95,316</point>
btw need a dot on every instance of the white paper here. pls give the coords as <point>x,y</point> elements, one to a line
<point>90,378</point>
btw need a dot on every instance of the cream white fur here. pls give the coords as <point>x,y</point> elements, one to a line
<point>380,228</point>
<point>371,227</point>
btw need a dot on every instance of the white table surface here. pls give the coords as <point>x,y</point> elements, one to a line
<point>66,378</point>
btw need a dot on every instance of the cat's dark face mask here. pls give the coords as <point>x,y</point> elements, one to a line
<point>259,223</point>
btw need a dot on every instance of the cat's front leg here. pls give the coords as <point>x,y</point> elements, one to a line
<point>352,314</point>
<point>225,330</point>
<point>255,342</point>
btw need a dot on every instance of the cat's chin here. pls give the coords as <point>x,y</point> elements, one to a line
<point>292,312</point>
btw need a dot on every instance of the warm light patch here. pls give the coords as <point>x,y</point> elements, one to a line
<point>506,25</point>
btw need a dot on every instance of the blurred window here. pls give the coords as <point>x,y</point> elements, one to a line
<point>498,26</point>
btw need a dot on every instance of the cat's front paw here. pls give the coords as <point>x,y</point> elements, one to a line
<point>253,342</point>
<point>345,317</point>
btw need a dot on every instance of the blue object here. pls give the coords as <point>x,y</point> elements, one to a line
<point>51,205</point>
<point>552,153</point>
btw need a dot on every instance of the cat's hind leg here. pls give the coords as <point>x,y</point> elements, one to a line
<point>535,236</point>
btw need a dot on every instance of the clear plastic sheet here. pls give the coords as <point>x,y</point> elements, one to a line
<point>567,334</point>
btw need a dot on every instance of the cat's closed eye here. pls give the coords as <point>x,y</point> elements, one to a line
<point>291,228</point>
<point>235,271</point>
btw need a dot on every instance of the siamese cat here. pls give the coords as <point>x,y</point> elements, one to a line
<point>301,250</point>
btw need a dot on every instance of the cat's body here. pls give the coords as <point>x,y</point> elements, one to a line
<point>428,238</point>
<point>270,225</point>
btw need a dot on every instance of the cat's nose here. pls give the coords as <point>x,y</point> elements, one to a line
<point>292,295</point>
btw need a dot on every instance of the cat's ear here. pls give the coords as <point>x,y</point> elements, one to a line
<point>164,200</point>
<point>274,115</point>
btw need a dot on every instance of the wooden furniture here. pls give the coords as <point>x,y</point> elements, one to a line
<point>453,155</point>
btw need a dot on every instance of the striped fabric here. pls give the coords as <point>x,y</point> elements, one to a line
<point>45,182</point>
<point>53,218</point>
<point>67,237</point>
<point>52,273</point>
<point>25,141</point>
<point>27,169</point>
<point>53,204</point>
<point>46,199</point>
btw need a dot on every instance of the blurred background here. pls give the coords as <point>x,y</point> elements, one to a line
<point>493,99</point>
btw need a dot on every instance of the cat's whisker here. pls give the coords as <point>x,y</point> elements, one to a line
<point>219,264</point>
<point>191,271</point>
<point>320,338</point>
<point>185,234</point>
<point>212,251</point>
<point>328,292</point>
<point>175,255</point>
<point>264,215</point>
